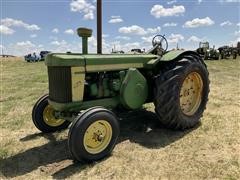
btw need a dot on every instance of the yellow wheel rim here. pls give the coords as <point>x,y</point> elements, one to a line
<point>97,136</point>
<point>191,93</point>
<point>49,118</point>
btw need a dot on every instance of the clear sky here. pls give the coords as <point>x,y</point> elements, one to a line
<point>34,25</point>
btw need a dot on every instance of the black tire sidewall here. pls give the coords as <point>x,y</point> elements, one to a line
<point>167,89</point>
<point>194,67</point>
<point>37,117</point>
<point>79,127</point>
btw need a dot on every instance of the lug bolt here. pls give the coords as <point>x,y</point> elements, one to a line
<point>100,137</point>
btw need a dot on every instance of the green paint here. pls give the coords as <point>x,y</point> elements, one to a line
<point>109,59</point>
<point>171,55</point>
<point>133,85</point>
<point>152,63</point>
<point>71,59</point>
<point>116,84</point>
<point>134,90</point>
<point>78,106</point>
<point>106,91</point>
<point>107,103</point>
<point>85,45</point>
<point>93,89</point>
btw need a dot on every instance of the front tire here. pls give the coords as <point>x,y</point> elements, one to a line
<point>44,119</point>
<point>93,134</point>
<point>181,92</point>
<point>217,57</point>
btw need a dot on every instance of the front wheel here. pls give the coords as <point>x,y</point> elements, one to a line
<point>217,57</point>
<point>181,92</point>
<point>93,134</point>
<point>44,119</point>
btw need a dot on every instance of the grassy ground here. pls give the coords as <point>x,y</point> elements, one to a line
<point>145,150</point>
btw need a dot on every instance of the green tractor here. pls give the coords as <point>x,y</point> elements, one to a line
<point>206,52</point>
<point>238,48</point>
<point>234,52</point>
<point>85,90</point>
<point>227,52</point>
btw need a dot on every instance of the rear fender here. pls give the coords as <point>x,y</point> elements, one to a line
<point>173,55</point>
<point>169,56</point>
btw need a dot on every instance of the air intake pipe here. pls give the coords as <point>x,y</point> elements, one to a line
<point>84,33</point>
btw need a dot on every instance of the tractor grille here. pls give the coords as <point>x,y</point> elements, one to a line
<point>60,86</point>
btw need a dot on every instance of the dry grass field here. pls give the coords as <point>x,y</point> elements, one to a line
<point>146,149</point>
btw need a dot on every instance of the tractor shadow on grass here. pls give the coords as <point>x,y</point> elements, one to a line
<point>53,158</point>
<point>144,128</point>
<point>140,127</point>
<point>31,159</point>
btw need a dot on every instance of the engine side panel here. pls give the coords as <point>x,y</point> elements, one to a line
<point>134,90</point>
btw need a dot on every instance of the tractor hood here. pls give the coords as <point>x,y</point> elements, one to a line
<point>58,59</point>
<point>110,62</point>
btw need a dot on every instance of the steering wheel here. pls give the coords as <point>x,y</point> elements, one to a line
<point>160,42</point>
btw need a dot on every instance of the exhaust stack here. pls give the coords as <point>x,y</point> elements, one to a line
<point>84,33</point>
<point>99,26</point>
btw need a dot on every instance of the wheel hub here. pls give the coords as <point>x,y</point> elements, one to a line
<point>97,136</point>
<point>191,93</point>
<point>50,119</point>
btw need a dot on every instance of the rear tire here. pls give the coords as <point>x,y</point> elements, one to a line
<point>43,117</point>
<point>175,85</point>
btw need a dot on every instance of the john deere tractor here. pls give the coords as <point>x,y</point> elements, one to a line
<point>206,52</point>
<point>228,52</point>
<point>85,90</point>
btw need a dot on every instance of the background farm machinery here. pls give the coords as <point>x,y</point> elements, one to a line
<point>228,52</point>
<point>206,52</point>
<point>223,52</point>
<point>238,48</point>
<point>35,57</point>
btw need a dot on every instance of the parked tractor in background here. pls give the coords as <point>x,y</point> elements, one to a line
<point>43,54</point>
<point>238,48</point>
<point>87,89</point>
<point>206,52</point>
<point>228,52</point>
<point>234,51</point>
<point>32,57</point>
<point>137,51</point>
<point>117,52</point>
